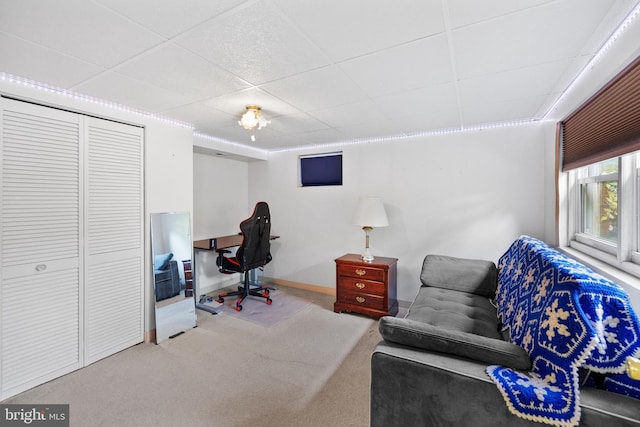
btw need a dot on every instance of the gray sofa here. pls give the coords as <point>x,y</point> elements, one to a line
<point>430,369</point>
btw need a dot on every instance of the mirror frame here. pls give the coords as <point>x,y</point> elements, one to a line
<point>172,264</point>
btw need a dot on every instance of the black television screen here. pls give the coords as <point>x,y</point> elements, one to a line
<point>321,169</point>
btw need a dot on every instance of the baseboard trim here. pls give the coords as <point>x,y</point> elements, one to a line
<point>298,285</point>
<point>150,336</point>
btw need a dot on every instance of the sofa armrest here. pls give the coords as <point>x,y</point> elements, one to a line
<point>418,387</point>
<point>428,337</point>
<point>458,274</point>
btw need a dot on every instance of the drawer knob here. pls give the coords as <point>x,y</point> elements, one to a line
<point>361,272</point>
<point>360,285</point>
<point>360,299</point>
<point>41,267</point>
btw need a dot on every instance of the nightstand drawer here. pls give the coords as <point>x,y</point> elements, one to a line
<point>349,284</point>
<point>361,272</point>
<point>363,300</point>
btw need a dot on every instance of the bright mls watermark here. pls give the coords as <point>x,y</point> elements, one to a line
<point>34,415</point>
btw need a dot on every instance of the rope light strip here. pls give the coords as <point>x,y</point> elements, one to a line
<point>32,84</point>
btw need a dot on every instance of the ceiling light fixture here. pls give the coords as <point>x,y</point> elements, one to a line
<point>253,117</point>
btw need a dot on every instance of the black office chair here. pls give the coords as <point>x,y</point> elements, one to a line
<point>254,252</point>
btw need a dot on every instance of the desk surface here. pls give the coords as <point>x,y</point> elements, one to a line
<point>222,242</point>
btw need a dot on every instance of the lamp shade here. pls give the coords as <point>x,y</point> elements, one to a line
<point>370,213</point>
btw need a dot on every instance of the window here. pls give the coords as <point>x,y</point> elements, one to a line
<point>321,169</point>
<point>599,200</point>
<point>598,147</point>
<point>604,206</point>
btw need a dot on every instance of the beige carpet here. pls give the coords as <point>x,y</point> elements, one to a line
<point>311,369</point>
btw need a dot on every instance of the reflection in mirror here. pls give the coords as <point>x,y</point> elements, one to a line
<point>173,284</point>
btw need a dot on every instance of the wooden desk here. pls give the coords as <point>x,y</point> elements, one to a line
<point>222,242</point>
<point>211,244</point>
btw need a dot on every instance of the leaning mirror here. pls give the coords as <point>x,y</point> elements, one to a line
<point>172,274</point>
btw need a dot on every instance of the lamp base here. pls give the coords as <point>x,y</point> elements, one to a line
<point>367,257</point>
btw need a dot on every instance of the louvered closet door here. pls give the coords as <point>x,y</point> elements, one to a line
<point>41,259</point>
<point>114,235</point>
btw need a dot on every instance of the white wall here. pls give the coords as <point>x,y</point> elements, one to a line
<point>220,188</point>
<point>464,194</point>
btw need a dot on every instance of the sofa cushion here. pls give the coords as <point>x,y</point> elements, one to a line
<point>466,275</point>
<point>471,346</point>
<point>460,311</point>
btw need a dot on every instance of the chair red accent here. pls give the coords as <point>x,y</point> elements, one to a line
<point>254,252</point>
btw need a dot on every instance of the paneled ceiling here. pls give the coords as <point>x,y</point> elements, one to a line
<point>323,71</point>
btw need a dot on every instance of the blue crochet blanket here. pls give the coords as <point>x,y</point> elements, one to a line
<point>568,318</point>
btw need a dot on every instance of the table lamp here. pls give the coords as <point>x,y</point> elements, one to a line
<point>370,213</point>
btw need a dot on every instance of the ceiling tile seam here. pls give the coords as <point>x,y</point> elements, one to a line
<point>53,50</point>
<point>224,13</point>
<point>494,18</point>
<point>446,16</point>
<point>331,63</point>
<point>134,56</point>
<point>231,11</point>
<point>104,70</point>
<point>615,36</point>
<point>327,57</point>
<point>68,93</point>
<point>126,18</point>
<point>295,107</point>
<point>374,98</point>
<point>283,14</point>
<point>166,41</point>
<point>140,54</point>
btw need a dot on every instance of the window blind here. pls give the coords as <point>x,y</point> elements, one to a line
<point>607,125</point>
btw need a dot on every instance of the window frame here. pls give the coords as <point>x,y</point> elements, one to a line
<point>583,180</point>
<point>625,254</point>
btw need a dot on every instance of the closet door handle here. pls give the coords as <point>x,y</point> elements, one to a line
<point>41,267</point>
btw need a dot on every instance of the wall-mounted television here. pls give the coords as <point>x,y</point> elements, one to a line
<point>321,169</point>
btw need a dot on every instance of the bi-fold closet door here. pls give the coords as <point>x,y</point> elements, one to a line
<point>71,234</point>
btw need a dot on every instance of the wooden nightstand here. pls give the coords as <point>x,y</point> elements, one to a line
<point>368,288</point>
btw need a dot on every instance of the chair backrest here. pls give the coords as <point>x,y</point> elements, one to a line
<point>255,250</point>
